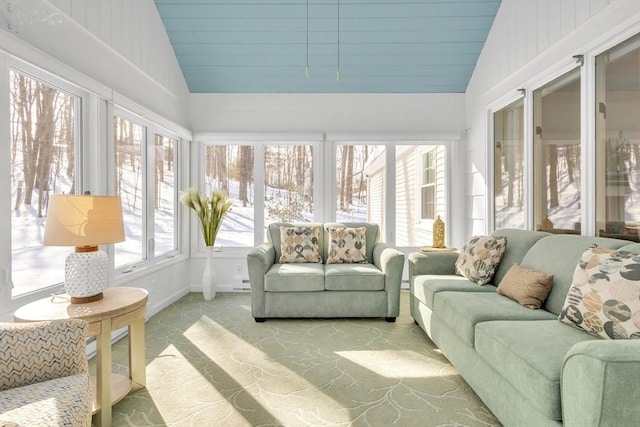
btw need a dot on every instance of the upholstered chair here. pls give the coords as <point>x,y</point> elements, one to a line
<point>44,376</point>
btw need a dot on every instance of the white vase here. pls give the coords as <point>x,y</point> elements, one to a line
<point>209,276</point>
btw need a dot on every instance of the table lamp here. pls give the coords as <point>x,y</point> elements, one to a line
<point>84,222</point>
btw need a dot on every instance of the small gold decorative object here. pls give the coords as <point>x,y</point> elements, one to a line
<point>438,233</point>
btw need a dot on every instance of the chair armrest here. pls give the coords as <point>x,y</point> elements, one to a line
<point>391,262</point>
<point>41,351</point>
<point>259,260</point>
<point>599,383</point>
<point>439,263</point>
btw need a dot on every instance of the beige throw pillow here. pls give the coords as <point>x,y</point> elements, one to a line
<point>299,244</point>
<point>604,297</point>
<point>347,245</point>
<point>528,287</point>
<point>479,258</point>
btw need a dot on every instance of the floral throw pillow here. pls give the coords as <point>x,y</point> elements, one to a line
<point>347,245</point>
<point>299,244</point>
<point>480,257</point>
<point>604,297</point>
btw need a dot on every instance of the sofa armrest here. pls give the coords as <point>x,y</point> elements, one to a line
<point>599,384</point>
<point>439,263</point>
<point>41,351</point>
<point>391,262</point>
<point>259,260</point>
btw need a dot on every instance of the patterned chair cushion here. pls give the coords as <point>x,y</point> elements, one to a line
<point>40,351</point>
<point>63,401</point>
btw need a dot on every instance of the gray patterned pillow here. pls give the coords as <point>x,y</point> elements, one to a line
<point>480,257</point>
<point>347,245</point>
<point>299,244</point>
<point>604,297</point>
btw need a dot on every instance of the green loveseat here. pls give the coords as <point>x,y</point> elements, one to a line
<point>324,290</point>
<point>528,367</point>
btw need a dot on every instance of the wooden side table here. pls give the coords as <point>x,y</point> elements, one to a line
<point>120,307</point>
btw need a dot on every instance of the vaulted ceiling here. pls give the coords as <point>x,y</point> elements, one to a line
<point>327,46</point>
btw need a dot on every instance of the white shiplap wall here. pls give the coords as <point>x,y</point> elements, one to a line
<point>120,44</point>
<point>531,42</point>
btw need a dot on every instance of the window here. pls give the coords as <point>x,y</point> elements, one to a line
<point>145,180</point>
<point>428,186</point>
<point>44,160</point>
<point>420,192</point>
<point>288,183</point>
<point>618,141</point>
<point>164,200</point>
<point>360,183</point>
<point>230,168</point>
<point>508,180</point>
<point>556,154</point>
<point>130,186</point>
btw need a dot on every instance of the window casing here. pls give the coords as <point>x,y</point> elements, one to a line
<point>428,186</point>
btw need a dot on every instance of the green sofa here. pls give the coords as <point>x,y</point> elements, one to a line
<point>528,367</point>
<point>310,290</point>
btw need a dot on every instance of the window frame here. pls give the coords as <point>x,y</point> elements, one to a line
<point>151,128</point>
<point>81,158</point>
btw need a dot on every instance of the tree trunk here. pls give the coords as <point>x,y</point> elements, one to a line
<point>552,158</point>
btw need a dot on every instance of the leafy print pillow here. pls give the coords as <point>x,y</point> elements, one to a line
<point>347,245</point>
<point>479,258</point>
<point>299,244</point>
<point>604,297</point>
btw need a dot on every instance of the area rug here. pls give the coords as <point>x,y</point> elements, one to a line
<point>210,364</point>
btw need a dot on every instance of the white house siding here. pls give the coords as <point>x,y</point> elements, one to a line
<point>531,41</point>
<point>376,210</point>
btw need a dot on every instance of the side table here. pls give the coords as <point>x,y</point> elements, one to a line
<point>120,307</point>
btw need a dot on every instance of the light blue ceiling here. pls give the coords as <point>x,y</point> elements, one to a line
<point>378,46</point>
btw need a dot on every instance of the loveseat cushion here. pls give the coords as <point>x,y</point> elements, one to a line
<point>353,277</point>
<point>529,355</point>
<point>62,401</point>
<point>298,277</point>
<point>462,311</point>
<point>426,287</point>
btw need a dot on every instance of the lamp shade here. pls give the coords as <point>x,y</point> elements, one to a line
<point>83,220</point>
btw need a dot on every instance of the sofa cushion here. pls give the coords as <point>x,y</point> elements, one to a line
<point>299,244</point>
<point>528,287</point>
<point>558,255</point>
<point>464,310</point>
<point>353,277</point>
<point>62,401</point>
<point>273,235</point>
<point>479,258</point>
<point>372,235</point>
<point>294,278</point>
<point>347,245</point>
<point>604,298</point>
<point>529,355</point>
<point>425,287</point>
<point>518,244</point>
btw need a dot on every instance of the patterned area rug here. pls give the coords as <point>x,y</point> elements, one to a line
<point>210,364</point>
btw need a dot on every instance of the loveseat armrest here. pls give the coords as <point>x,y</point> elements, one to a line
<point>41,351</point>
<point>439,263</point>
<point>599,384</point>
<point>391,262</point>
<point>259,260</point>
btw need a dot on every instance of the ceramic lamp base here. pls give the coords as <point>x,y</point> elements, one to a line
<point>86,274</point>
